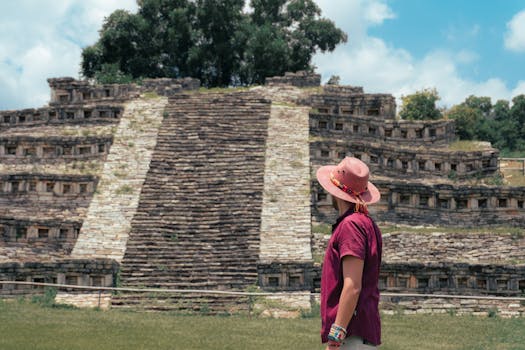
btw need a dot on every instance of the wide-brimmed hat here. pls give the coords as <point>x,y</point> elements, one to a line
<point>349,181</point>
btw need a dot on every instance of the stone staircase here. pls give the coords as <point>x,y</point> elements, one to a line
<point>199,215</point>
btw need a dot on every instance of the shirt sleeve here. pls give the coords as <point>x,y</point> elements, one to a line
<point>352,240</point>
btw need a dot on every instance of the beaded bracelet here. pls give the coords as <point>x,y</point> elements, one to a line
<point>337,334</point>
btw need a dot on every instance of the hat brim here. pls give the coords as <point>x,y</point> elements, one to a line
<point>372,195</point>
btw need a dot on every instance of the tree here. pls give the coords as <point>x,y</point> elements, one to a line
<point>467,120</point>
<point>213,40</point>
<point>482,104</point>
<point>420,105</point>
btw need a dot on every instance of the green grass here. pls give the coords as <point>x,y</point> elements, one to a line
<point>513,177</point>
<point>33,327</point>
<point>467,146</point>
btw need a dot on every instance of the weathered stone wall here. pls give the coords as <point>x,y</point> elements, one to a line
<point>439,204</point>
<point>76,114</point>
<point>298,79</point>
<point>68,91</point>
<point>44,187</point>
<point>435,247</point>
<point>378,129</point>
<point>279,276</point>
<point>89,272</point>
<point>27,149</point>
<point>198,220</point>
<point>101,300</point>
<point>402,162</point>
<point>341,101</point>
<point>414,305</point>
<point>285,217</point>
<point>453,278</point>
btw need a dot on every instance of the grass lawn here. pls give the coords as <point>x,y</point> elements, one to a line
<point>33,327</point>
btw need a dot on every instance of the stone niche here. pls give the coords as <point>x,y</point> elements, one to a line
<point>61,115</point>
<point>68,91</point>
<point>41,149</point>
<point>389,159</point>
<point>286,276</point>
<point>338,101</point>
<point>298,79</point>
<point>453,278</point>
<point>94,272</point>
<point>418,203</point>
<point>47,236</point>
<point>407,133</point>
<point>43,187</point>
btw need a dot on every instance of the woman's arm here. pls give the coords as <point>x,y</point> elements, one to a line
<point>352,276</point>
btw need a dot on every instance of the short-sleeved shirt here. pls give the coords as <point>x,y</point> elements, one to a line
<point>353,234</point>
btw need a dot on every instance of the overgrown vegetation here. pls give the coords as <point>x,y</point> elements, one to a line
<point>477,119</point>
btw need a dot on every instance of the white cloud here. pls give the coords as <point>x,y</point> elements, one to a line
<point>377,12</point>
<point>515,35</point>
<point>369,62</point>
<point>43,39</point>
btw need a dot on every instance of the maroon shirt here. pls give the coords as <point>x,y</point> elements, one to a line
<point>357,235</point>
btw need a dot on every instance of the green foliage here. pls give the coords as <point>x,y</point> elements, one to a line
<point>124,189</point>
<point>110,73</point>
<point>420,105</point>
<point>322,228</point>
<point>313,312</point>
<point>214,41</point>
<point>467,120</point>
<point>502,125</point>
<point>47,299</point>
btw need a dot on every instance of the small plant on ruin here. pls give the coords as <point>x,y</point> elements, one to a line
<point>334,80</point>
<point>151,94</point>
<point>124,189</point>
<point>452,175</point>
<point>174,237</point>
<point>204,309</point>
<point>47,299</point>
<point>493,312</point>
<point>313,312</point>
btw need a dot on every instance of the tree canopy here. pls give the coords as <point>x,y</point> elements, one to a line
<point>504,126</point>
<point>420,105</point>
<point>212,40</point>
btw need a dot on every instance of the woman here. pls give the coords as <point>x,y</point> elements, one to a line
<point>350,276</point>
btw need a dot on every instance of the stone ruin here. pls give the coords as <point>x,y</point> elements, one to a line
<point>163,185</point>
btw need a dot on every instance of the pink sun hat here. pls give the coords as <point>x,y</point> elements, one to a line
<point>349,181</point>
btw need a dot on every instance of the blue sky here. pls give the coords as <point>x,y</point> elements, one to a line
<point>395,46</point>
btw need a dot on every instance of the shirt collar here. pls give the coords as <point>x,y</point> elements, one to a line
<point>350,211</point>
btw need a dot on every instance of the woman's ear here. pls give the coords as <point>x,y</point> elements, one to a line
<point>334,203</point>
